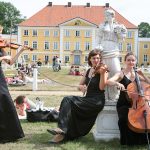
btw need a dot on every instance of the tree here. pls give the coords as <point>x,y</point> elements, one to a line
<point>10,17</point>
<point>144,29</point>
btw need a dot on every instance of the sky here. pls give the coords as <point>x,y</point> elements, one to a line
<point>136,11</point>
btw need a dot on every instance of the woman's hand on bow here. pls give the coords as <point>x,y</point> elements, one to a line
<point>120,86</point>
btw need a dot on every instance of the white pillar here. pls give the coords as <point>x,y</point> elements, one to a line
<point>106,127</point>
<point>61,44</point>
<point>94,36</point>
<point>35,85</point>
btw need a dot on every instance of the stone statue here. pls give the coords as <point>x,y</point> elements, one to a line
<point>109,35</point>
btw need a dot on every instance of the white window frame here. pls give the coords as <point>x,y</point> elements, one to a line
<point>67,45</point>
<point>35,45</point>
<point>129,34</point>
<point>55,46</point>
<point>26,57</point>
<point>129,47</point>
<point>67,59</point>
<point>34,57</point>
<point>87,33</point>
<point>87,46</point>
<point>67,33</point>
<point>46,45</point>
<point>55,33</point>
<point>77,33</point>
<point>45,58</point>
<point>77,45</point>
<point>25,32</point>
<point>34,32</point>
<point>145,46</point>
<point>26,43</point>
<point>145,58</point>
<point>47,33</point>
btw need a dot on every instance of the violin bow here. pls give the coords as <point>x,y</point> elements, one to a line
<point>135,92</point>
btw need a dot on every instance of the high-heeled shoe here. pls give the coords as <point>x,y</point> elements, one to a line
<point>56,131</point>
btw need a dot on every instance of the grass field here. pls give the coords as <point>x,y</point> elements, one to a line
<point>36,136</point>
<point>60,80</point>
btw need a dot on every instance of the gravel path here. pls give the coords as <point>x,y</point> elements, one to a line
<point>45,93</point>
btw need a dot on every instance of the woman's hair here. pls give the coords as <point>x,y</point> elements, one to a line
<point>92,53</point>
<point>19,99</point>
<point>129,54</point>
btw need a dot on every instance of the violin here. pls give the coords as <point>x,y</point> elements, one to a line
<point>139,113</point>
<point>99,66</point>
<point>4,44</point>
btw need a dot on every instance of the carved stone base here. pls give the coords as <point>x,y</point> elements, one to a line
<point>107,123</point>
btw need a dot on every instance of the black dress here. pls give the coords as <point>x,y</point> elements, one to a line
<point>78,114</point>
<point>10,128</point>
<point>127,136</point>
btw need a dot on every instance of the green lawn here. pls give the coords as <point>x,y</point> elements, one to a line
<point>60,80</point>
<point>36,136</point>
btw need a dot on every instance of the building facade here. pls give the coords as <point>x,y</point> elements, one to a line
<point>144,51</point>
<point>69,32</point>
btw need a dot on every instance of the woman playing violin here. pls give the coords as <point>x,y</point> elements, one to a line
<point>122,79</point>
<point>78,114</point>
<point>10,127</point>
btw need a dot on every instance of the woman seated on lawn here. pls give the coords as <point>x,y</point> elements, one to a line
<point>78,114</point>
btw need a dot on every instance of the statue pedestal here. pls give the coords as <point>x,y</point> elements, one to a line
<point>107,123</point>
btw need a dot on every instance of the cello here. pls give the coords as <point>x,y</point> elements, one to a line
<point>139,113</point>
<point>140,95</point>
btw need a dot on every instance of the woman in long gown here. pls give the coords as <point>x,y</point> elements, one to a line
<point>10,128</point>
<point>78,114</point>
<point>122,79</point>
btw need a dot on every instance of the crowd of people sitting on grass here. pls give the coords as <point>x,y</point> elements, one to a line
<point>24,75</point>
<point>77,70</point>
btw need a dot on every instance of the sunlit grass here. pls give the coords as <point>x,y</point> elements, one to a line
<point>36,136</point>
<point>56,80</point>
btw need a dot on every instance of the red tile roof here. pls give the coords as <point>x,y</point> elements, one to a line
<point>57,14</point>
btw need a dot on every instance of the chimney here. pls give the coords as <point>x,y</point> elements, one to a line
<point>50,3</point>
<point>107,5</point>
<point>69,4</point>
<point>87,4</point>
